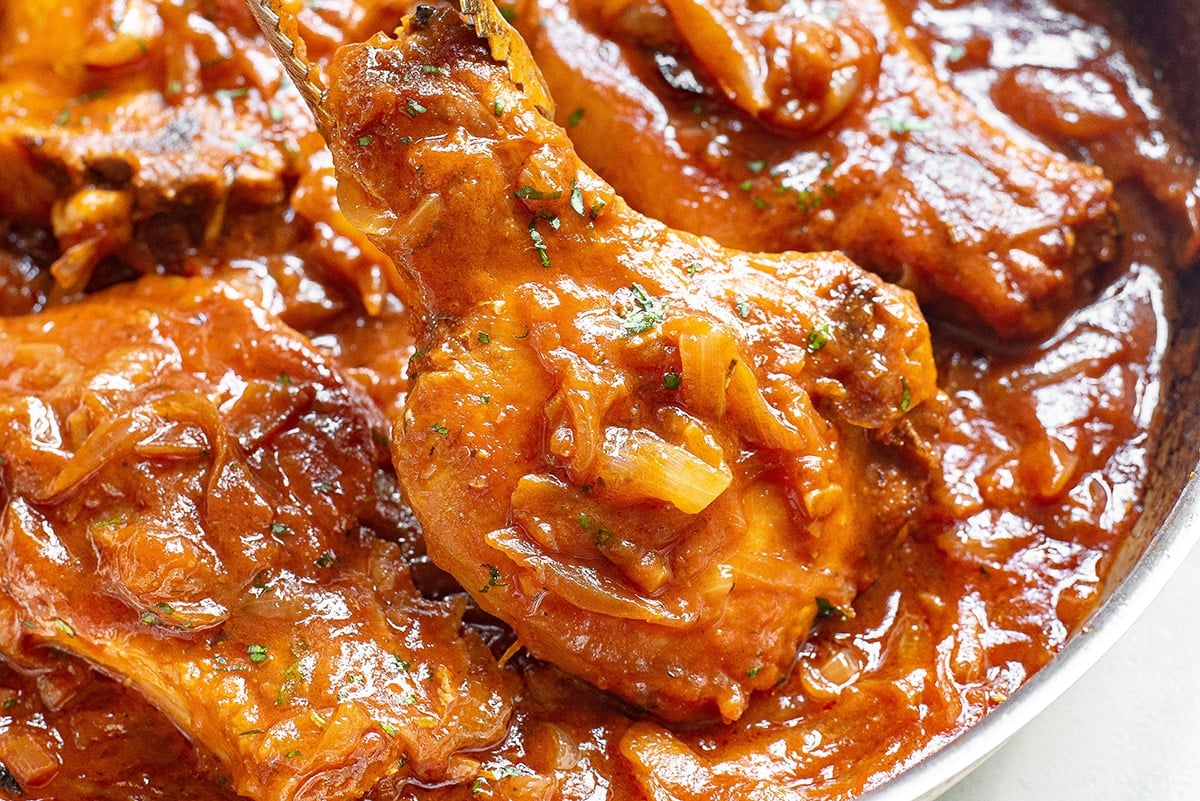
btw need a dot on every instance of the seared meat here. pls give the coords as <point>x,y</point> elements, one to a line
<point>150,127</point>
<point>190,500</point>
<point>657,459</point>
<point>819,126</point>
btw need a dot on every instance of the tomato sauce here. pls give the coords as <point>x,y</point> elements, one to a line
<point>1044,455</point>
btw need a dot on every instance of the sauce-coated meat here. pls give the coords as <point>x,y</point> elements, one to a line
<point>657,459</point>
<point>676,104</point>
<point>191,498</point>
<point>144,137</point>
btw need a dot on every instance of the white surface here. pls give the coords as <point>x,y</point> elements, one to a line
<point>1129,730</point>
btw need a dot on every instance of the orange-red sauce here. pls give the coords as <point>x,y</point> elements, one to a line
<point>1044,459</point>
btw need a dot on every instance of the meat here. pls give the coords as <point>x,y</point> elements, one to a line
<point>814,126</point>
<point>151,129</point>
<point>657,459</point>
<point>194,500</point>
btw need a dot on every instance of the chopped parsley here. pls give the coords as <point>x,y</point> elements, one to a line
<point>293,754</point>
<point>905,395</point>
<point>756,166</point>
<point>601,535</point>
<point>431,69</point>
<point>672,380</point>
<point>693,268</point>
<point>754,671</point>
<point>326,559</point>
<point>412,108</point>
<point>906,124</point>
<point>280,528</point>
<point>258,653</point>
<point>533,193</point>
<point>575,117</point>
<point>493,579</point>
<point>819,337</point>
<point>365,141</point>
<point>825,609</point>
<point>63,626</point>
<point>498,107</point>
<point>439,429</point>
<point>647,312</point>
<point>539,243</point>
<point>577,199</point>
<point>743,308</point>
<point>483,337</point>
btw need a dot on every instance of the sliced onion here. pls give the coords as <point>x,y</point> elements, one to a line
<point>639,465</point>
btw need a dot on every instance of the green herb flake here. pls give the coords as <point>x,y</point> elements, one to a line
<point>276,114</point>
<point>956,54</point>
<point>498,107</point>
<point>439,429</point>
<point>258,653</point>
<point>244,143</point>
<point>577,199</point>
<point>754,671</point>
<point>431,69</point>
<point>412,108</point>
<point>759,203</point>
<point>509,13</point>
<point>539,243</point>
<point>905,125</point>
<point>601,535</point>
<point>326,559</point>
<point>905,395</point>
<point>483,337</point>
<point>672,380</point>
<point>746,185</point>
<point>9,703</point>
<point>485,399</point>
<point>406,140</point>
<point>756,166</point>
<point>293,754</point>
<point>825,609</point>
<point>693,268</point>
<point>325,486</point>
<point>175,87</point>
<point>493,579</point>
<point>280,528</point>
<point>249,732</point>
<point>366,140</point>
<point>63,626</point>
<point>647,312</point>
<point>819,337</point>
<point>533,193</point>
<point>575,117</point>
<point>284,379</point>
<point>388,728</point>
<point>743,308</point>
<point>231,94</point>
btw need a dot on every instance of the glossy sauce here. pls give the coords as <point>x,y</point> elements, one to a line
<point>1043,462</point>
